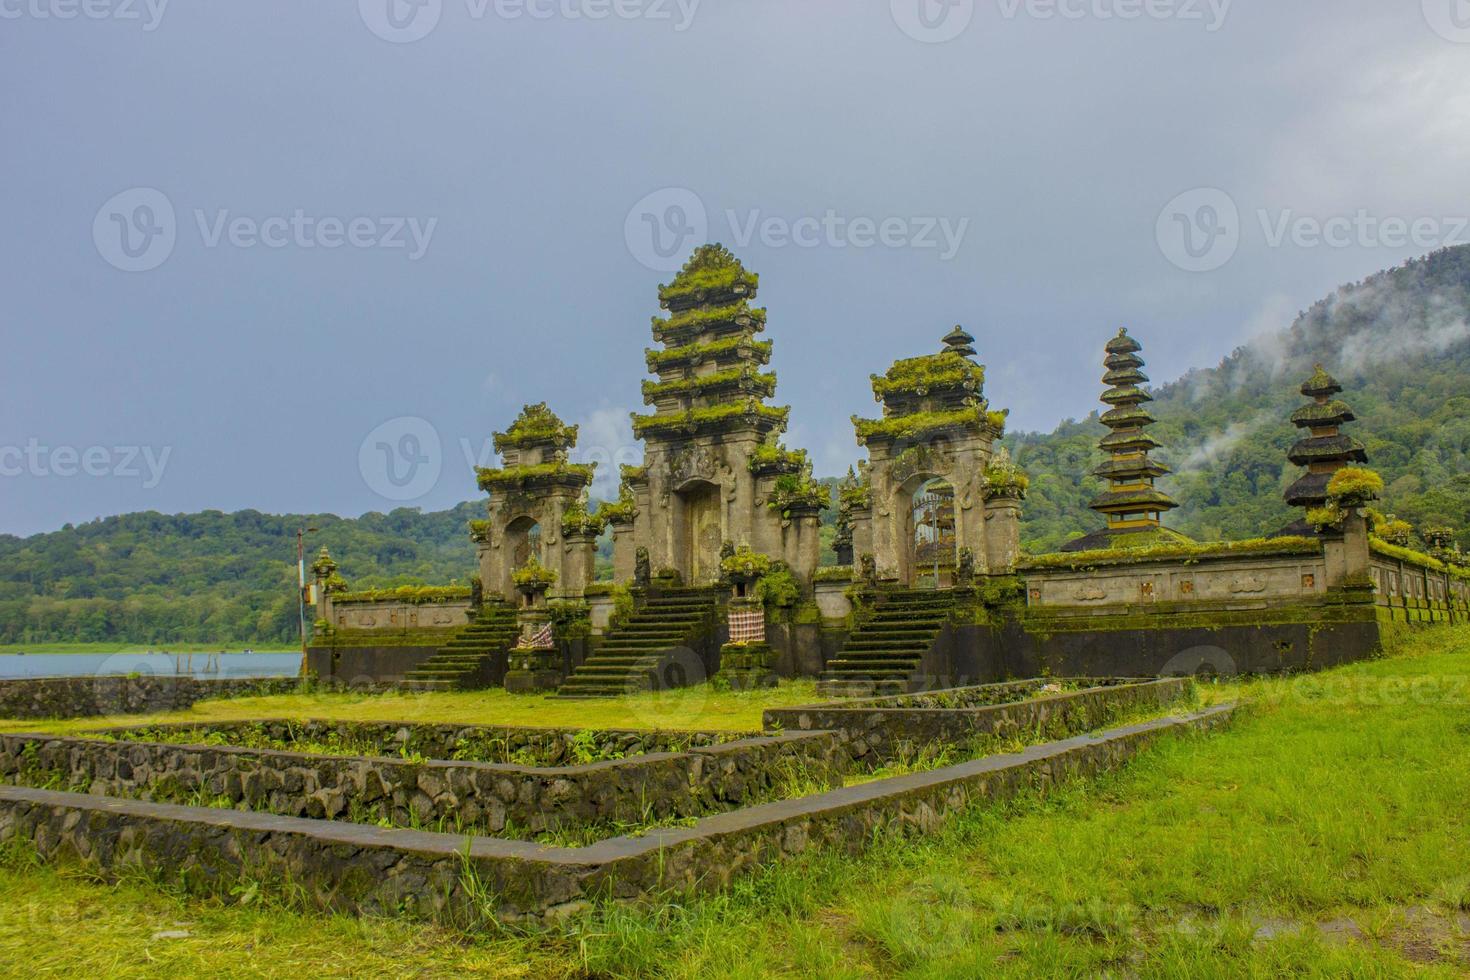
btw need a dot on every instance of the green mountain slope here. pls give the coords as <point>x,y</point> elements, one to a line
<point>1399,342</point>
<point>209,577</point>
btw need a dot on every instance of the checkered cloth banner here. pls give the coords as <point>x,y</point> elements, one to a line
<point>541,639</point>
<point>747,626</point>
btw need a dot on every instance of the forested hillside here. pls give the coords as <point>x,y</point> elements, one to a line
<point>1398,341</point>
<point>1400,344</point>
<point>209,577</point>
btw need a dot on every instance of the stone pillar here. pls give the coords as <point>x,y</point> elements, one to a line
<point>801,544</point>
<point>624,545</point>
<point>861,520</point>
<point>579,563</point>
<point>1002,535</point>
<point>888,522</point>
<point>1346,551</point>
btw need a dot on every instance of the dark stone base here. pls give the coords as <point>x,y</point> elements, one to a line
<point>365,666</point>
<point>533,681</point>
<point>748,680</point>
<point>1288,639</point>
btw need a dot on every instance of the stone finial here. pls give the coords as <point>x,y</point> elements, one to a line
<point>958,341</point>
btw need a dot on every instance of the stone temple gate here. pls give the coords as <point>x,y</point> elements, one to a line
<point>714,469</point>
<point>937,501</point>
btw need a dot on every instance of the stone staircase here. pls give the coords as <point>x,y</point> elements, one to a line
<point>884,654</point>
<point>460,664</point>
<point>633,656</point>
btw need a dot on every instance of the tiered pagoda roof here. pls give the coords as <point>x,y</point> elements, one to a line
<point>1131,502</point>
<point>709,368</point>
<point>1323,449</point>
<point>930,395</point>
<point>534,452</point>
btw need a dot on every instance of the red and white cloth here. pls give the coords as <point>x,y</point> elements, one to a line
<point>541,639</point>
<point>747,625</point>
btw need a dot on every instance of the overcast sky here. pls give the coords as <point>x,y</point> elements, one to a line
<point>248,247</point>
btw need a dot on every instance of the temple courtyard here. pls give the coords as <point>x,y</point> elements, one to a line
<point>1320,831</point>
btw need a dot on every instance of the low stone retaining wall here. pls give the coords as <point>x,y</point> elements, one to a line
<point>90,697</point>
<point>549,747</point>
<point>457,797</point>
<point>353,868</point>
<point>875,730</point>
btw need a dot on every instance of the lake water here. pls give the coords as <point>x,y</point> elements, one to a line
<point>207,666</point>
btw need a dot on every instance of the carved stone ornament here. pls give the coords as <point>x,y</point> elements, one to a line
<point>1248,584</point>
<point>694,463</point>
<point>1089,593</point>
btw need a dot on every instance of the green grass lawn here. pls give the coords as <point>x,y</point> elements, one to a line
<point>700,708</point>
<point>1324,833</point>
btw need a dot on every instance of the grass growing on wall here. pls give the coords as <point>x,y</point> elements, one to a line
<point>1321,834</point>
<point>687,709</point>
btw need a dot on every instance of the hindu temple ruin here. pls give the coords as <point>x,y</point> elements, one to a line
<point>718,568</point>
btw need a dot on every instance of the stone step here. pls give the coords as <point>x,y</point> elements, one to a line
<point>866,668</point>
<point>868,656</point>
<point>890,639</point>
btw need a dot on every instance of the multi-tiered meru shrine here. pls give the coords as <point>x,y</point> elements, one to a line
<point>717,559</point>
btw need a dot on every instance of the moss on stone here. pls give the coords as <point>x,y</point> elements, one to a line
<point>747,380</point>
<point>1151,546</point>
<point>411,594</point>
<point>742,347</point>
<point>711,269</point>
<point>696,419</point>
<point>537,425</point>
<point>944,371</point>
<point>518,477</point>
<point>697,320</point>
<point>923,424</point>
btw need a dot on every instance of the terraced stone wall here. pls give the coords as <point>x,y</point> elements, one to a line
<point>877,730</point>
<point>371,870</point>
<point>447,795</point>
